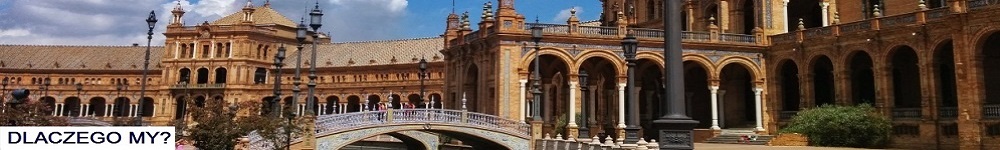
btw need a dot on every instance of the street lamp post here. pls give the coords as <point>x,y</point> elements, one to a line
<point>675,128</point>
<point>422,75</point>
<point>629,46</point>
<point>79,90</point>
<point>315,21</point>
<point>300,35</point>
<point>278,58</point>
<point>151,21</point>
<point>536,92</point>
<point>46,83</point>
<point>584,131</point>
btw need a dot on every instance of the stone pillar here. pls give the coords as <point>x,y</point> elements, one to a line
<point>522,109</point>
<point>109,111</point>
<point>784,15</point>
<point>824,7</point>
<point>82,111</point>
<point>621,108</point>
<point>572,126</point>
<point>715,107</point>
<point>58,110</point>
<point>757,105</point>
<point>723,16</point>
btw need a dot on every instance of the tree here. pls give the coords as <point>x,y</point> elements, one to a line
<point>30,113</point>
<point>218,125</point>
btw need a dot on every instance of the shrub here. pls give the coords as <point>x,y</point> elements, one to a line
<point>842,126</point>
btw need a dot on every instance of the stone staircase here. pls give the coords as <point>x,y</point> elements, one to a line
<point>733,136</point>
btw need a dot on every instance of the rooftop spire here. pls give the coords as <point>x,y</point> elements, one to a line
<point>267,3</point>
<point>177,8</point>
<point>249,4</point>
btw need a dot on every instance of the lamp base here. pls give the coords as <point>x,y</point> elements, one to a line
<point>675,134</point>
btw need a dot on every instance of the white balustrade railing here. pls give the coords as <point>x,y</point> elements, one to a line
<point>333,123</point>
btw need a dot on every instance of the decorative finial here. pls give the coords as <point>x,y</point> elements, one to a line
<point>802,24</point>
<point>463,101</point>
<point>877,12</point>
<point>922,5</point>
<point>572,11</point>
<point>178,7</point>
<point>836,17</point>
<point>432,102</point>
<point>267,3</point>
<point>390,100</point>
<point>711,19</point>
<point>249,4</point>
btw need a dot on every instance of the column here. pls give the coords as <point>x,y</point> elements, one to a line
<point>154,111</point>
<point>784,15</point>
<point>83,112</point>
<point>524,102</point>
<point>109,111</point>
<point>715,107</point>
<point>211,52</point>
<point>826,15</point>
<point>572,106</point>
<point>322,108</point>
<point>57,111</point>
<point>760,123</point>
<point>621,105</point>
<point>86,109</point>
<point>723,16</point>
<point>343,108</point>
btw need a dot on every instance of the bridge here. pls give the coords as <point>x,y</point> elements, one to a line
<point>417,128</point>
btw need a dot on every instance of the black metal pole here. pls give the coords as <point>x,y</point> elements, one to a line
<point>536,92</point>
<point>278,58</point>
<point>632,128</point>
<point>145,71</point>
<point>676,128</point>
<point>584,130</point>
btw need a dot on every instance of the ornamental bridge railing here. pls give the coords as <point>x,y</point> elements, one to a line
<point>334,123</point>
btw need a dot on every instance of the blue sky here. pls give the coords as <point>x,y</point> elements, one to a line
<point>120,22</point>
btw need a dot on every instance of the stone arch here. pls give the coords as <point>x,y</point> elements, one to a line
<point>266,105</point>
<point>98,107</point>
<point>860,64</point>
<point>905,77</point>
<point>184,75</point>
<point>72,106</point>
<point>943,58</point>
<point>787,75</point>
<point>697,81</point>
<point>987,55</point>
<point>50,105</point>
<point>607,55</point>
<point>220,75</point>
<point>737,102</point>
<point>353,103</point>
<point>747,63</point>
<point>702,61</point>
<point>527,58</point>
<point>821,69</point>
<point>147,107</point>
<point>653,56</point>
<point>332,105</point>
<point>202,77</point>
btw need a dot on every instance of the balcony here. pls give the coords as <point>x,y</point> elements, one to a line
<point>906,113</point>
<point>991,111</point>
<point>948,112</point>
<point>198,86</point>
<point>864,26</point>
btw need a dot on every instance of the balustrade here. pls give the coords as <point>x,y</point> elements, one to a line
<point>991,111</point>
<point>905,113</point>
<point>948,112</point>
<point>739,38</point>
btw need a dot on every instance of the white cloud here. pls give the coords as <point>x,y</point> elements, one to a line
<point>564,14</point>
<point>14,32</point>
<point>121,22</point>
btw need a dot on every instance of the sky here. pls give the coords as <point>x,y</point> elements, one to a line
<point>122,22</point>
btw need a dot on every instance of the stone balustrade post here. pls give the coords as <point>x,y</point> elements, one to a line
<point>713,31</point>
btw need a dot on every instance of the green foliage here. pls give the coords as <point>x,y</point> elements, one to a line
<point>563,122</point>
<point>218,126</point>
<point>32,113</point>
<point>842,126</point>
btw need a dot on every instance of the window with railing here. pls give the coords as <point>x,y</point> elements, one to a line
<point>949,130</point>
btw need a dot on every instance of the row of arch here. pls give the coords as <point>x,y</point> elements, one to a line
<point>902,71</point>
<point>96,107</point>
<point>203,74</point>
<point>331,105</point>
<point>606,72</point>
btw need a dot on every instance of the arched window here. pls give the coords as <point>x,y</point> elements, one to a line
<point>202,76</point>
<point>260,76</point>
<point>185,76</point>
<point>220,75</point>
<point>218,50</point>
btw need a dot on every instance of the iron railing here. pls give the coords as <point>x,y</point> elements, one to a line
<point>947,112</point>
<point>740,38</point>
<point>978,4</point>
<point>991,111</point>
<point>905,113</point>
